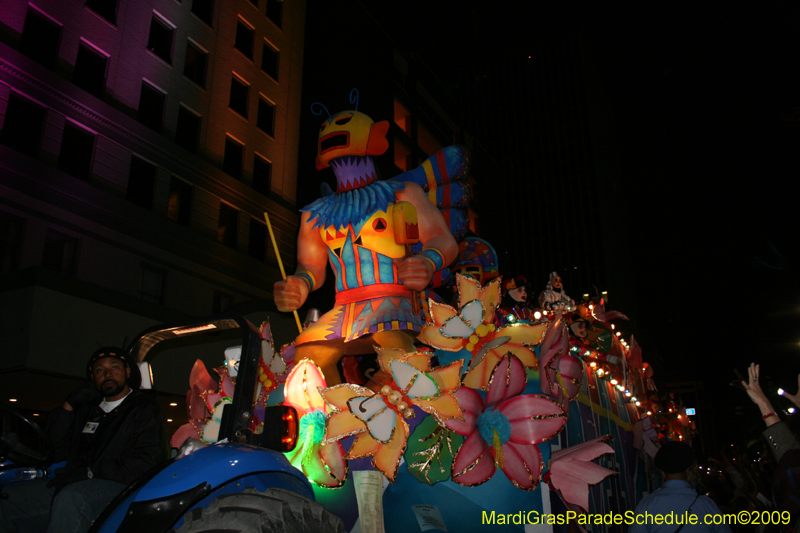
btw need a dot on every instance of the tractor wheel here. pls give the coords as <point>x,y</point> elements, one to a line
<point>274,510</point>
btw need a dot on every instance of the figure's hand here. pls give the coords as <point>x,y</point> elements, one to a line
<point>290,293</point>
<point>795,398</point>
<point>415,272</point>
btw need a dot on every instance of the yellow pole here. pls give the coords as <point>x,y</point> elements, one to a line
<point>280,265</point>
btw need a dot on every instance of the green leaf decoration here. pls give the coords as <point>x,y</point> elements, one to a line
<point>430,451</point>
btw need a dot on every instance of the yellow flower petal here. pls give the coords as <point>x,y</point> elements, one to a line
<point>448,378</point>
<point>430,335</point>
<point>478,377</point>
<point>341,425</point>
<point>468,289</point>
<point>363,446</point>
<point>387,458</point>
<point>442,407</point>
<point>489,296</point>
<point>420,360</point>
<point>387,355</point>
<point>440,313</point>
<point>527,334</point>
<point>337,396</point>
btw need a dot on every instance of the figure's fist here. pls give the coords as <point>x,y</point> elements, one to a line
<point>414,272</point>
<point>290,293</point>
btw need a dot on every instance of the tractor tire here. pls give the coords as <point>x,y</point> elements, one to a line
<point>273,511</point>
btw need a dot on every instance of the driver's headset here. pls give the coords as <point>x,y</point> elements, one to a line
<point>134,380</point>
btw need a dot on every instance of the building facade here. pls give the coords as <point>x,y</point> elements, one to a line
<point>140,145</point>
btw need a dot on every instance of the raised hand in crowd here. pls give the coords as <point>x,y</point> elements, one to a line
<point>753,389</point>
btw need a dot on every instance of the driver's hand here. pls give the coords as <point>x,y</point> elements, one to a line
<point>68,475</point>
<point>86,393</point>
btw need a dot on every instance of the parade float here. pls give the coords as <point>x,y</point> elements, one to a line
<point>479,409</point>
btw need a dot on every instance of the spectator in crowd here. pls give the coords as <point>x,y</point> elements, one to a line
<point>783,445</point>
<point>676,459</point>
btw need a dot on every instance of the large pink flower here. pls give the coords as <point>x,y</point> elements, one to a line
<point>504,430</point>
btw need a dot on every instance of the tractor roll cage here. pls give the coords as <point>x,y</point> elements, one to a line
<point>237,416</point>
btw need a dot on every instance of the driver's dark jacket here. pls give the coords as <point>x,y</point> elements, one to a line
<point>125,445</point>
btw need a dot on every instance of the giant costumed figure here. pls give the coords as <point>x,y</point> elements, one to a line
<point>355,229</point>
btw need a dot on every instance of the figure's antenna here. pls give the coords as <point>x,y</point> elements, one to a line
<point>318,111</point>
<point>354,97</point>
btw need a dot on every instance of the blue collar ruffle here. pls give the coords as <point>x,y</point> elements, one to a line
<point>354,206</point>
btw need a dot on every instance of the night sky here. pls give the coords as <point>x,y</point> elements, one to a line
<point>705,115</point>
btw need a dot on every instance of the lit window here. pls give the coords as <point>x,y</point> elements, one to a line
<point>402,117</point>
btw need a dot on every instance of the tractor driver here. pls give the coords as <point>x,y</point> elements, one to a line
<point>108,433</point>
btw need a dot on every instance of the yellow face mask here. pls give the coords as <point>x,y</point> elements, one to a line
<point>350,133</point>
